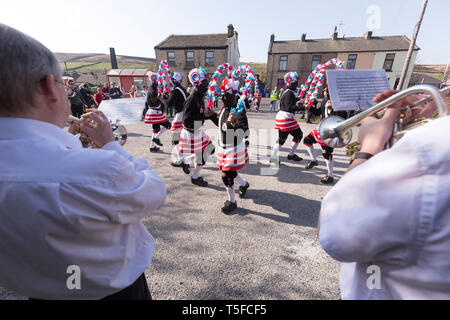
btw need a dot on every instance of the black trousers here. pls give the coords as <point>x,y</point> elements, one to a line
<point>137,291</point>
<point>296,134</point>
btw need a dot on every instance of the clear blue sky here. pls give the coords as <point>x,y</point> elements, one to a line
<point>134,27</point>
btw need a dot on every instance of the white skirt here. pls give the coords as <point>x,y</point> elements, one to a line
<point>177,123</point>
<point>232,158</point>
<point>286,121</point>
<point>191,143</point>
<point>155,116</point>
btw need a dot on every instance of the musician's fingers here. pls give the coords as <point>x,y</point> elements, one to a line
<point>92,117</point>
<point>384,95</point>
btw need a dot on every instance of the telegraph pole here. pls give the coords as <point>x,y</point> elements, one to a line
<point>411,47</point>
<point>444,78</point>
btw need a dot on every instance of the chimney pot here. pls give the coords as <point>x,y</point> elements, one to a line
<point>368,35</point>
<point>230,31</point>
<point>335,34</point>
<point>303,37</point>
<point>272,38</point>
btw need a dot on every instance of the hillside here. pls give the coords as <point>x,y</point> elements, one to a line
<point>100,63</point>
<point>259,69</point>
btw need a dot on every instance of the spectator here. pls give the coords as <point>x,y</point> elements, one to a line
<point>76,212</point>
<point>274,100</point>
<point>99,96</point>
<point>144,91</point>
<point>114,92</point>
<point>134,91</point>
<point>77,104</point>
<point>257,100</point>
<point>85,94</point>
<point>388,219</point>
<point>312,111</point>
<point>105,90</point>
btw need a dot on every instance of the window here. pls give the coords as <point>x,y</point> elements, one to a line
<point>316,61</point>
<point>209,58</point>
<point>351,63</point>
<point>283,63</point>
<point>190,58</point>
<point>397,81</point>
<point>389,61</point>
<point>171,58</point>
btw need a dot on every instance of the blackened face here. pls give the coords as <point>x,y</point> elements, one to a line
<point>203,87</point>
<point>294,85</point>
<point>229,100</point>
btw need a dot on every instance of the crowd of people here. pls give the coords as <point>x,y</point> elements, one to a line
<point>82,97</point>
<point>390,209</point>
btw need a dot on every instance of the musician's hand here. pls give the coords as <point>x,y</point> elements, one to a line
<point>74,128</point>
<point>375,133</point>
<point>425,111</point>
<point>97,127</point>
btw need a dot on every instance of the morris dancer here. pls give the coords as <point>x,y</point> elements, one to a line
<point>232,153</point>
<point>155,116</point>
<point>242,115</point>
<point>193,139</point>
<point>176,101</point>
<point>327,151</point>
<point>286,122</point>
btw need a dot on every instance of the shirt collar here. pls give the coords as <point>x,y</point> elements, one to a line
<point>21,128</point>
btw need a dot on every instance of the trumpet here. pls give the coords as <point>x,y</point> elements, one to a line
<point>119,131</point>
<point>337,132</point>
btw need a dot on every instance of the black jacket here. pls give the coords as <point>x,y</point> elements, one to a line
<point>152,98</point>
<point>194,112</point>
<point>229,134</point>
<point>288,102</point>
<point>176,99</point>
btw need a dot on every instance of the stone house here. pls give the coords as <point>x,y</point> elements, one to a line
<point>185,52</point>
<point>367,52</point>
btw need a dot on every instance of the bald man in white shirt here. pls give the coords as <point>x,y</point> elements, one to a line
<point>388,219</point>
<point>69,217</point>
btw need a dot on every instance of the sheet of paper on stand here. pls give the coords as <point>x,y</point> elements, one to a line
<point>355,89</point>
<point>128,111</point>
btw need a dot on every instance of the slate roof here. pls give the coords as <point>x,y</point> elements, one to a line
<point>353,44</point>
<point>199,41</point>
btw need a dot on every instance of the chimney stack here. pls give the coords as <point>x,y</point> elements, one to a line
<point>230,31</point>
<point>112,54</point>
<point>304,37</point>
<point>335,34</point>
<point>272,38</point>
<point>368,35</point>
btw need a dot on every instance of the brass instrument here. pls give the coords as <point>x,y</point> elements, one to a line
<point>119,131</point>
<point>337,132</point>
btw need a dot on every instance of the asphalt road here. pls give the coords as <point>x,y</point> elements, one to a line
<point>268,249</point>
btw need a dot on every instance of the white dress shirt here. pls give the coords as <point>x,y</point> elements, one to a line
<point>393,212</point>
<point>62,205</point>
